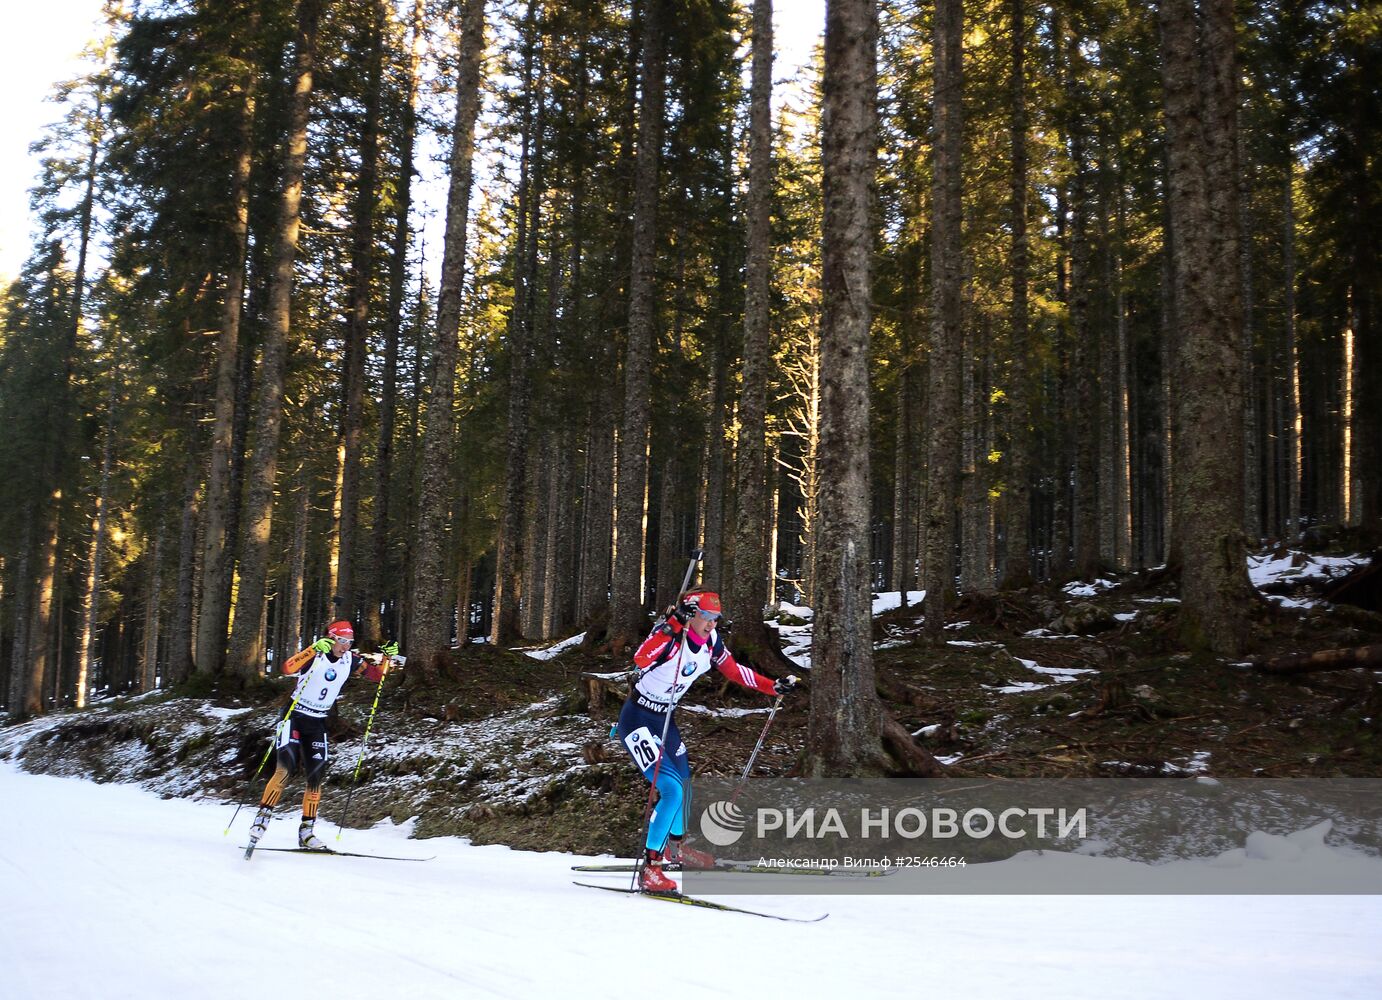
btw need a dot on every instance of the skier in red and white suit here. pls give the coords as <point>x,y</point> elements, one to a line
<point>669,661</point>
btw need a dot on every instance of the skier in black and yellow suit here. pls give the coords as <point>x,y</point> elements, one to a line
<point>326,665</point>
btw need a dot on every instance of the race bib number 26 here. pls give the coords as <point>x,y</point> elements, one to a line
<point>642,745</point>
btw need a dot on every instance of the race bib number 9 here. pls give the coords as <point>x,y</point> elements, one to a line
<point>642,746</point>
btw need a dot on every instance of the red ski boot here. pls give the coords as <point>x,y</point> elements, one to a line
<point>689,857</point>
<point>651,877</point>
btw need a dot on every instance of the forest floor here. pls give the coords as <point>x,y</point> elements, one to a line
<point>507,747</point>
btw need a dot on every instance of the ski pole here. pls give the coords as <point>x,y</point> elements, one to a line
<point>273,741</point>
<point>757,747</point>
<point>363,742</point>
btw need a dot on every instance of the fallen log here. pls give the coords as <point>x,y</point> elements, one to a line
<point>1325,659</point>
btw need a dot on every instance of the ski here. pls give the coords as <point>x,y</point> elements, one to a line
<point>339,854</point>
<point>677,897</point>
<point>743,868</point>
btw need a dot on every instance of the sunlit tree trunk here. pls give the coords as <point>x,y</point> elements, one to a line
<point>429,618</point>
<point>213,619</point>
<point>246,656</point>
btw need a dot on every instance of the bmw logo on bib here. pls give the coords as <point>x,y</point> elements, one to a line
<point>330,673</point>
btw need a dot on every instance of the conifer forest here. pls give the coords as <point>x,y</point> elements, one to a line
<point>983,298</point>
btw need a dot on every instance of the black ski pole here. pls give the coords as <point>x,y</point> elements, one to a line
<point>743,778</point>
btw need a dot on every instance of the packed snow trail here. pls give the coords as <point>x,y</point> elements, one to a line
<point>107,891</point>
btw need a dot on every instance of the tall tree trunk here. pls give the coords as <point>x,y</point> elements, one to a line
<point>43,657</point>
<point>1122,407</point>
<point>382,582</point>
<point>1293,415</point>
<point>91,591</point>
<point>626,597</point>
<point>847,725</point>
<point>246,656</point>
<point>213,619</point>
<point>357,314</point>
<point>947,338</point>
<point>668,575</point>
<point>904,464</point>
<point>293,636</point>
<point>558,542</point>
<point>845,729</point>
<point>1085,337</point>
<point>712,534</point>
<point>1199,92</point>
<point>597,523</point>
<point>537,516</point>
<point>510,567</point>
<point>19,646</point>
<point>429,625</point>
<point>1017,565</point>
<point>976,522</point>
<point>748,591</point>
<point>153,617</point>
<point>182,629</point>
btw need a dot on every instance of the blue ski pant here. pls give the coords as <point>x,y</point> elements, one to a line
<point>640,730</point>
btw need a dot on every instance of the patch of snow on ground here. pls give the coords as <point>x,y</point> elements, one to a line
<point>1046,633</point>
<point>223,713</point>
<point>1069,673</point>
<point>1079,589</point>
<point>1292,603</point>
<point>1125,616</point>
<point>796,610</point>
<point>723,713</point>
<point>891,600</point>
<point>1017,687</point>
<point>1268,568</point>
<point>556,649</point>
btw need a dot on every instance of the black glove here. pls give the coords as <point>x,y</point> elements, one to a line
<point>685,610</point>
<point>785,685</point>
